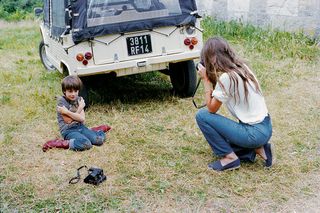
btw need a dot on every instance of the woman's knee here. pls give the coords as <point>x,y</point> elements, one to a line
<point>201,115</point>
<point>204,116</point>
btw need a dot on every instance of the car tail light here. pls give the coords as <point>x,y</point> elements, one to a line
<point>84,62</point>
<point>88,55</point>
<point>84,58</point>
<point>187,41</point>
<point>191,42</point>
<point>80,57</point>
<point>194,41</point>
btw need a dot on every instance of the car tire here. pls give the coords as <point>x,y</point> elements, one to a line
<point>44,58</point>
<point>183,78</point>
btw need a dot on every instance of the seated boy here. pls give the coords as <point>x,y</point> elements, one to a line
<point>71,117</point>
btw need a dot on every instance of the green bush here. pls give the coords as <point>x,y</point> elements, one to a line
<point>17,10</point>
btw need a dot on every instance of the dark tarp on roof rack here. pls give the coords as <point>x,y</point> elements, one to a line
<point>58,17</point>
<point>83,31</point>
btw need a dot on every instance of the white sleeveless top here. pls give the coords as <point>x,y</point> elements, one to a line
<point>251,112</point>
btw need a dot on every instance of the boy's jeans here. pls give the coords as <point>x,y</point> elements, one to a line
<point>225,135</point>
<point>81,138</point>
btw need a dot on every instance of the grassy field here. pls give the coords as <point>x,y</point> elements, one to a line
<point>155,157</point>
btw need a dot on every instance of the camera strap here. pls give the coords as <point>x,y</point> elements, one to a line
<point>76,179</point>
<point>195,90</point>
<point>194,93</point>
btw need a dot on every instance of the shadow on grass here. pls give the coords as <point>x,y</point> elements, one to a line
<point>145,87</point>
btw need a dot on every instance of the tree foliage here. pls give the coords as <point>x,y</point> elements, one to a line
<point>14,10</point>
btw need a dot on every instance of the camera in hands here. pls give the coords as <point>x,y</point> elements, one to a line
<point>199,81</point>
<point>197,65</point>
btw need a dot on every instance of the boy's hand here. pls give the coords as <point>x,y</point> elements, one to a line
<point>75,116</point>
<point>81,102</point>
<point>62,110</point>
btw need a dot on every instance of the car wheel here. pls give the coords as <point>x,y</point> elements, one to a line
<point>183,78</point>
<point>44,58</point>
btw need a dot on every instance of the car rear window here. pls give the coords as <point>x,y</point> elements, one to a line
<point>101,12</point>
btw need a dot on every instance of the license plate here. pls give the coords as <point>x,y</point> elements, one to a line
<point>139,45</point>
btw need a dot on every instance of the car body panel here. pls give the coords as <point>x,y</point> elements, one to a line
<point>110,53</point>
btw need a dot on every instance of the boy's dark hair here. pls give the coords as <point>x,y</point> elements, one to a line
<point>71,82</point>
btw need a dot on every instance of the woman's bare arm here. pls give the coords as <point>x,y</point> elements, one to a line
<point>212,103</point>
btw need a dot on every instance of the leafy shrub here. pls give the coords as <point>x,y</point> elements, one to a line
<point>17,10</point>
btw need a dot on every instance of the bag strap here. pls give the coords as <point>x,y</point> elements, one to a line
<point>76,179</point>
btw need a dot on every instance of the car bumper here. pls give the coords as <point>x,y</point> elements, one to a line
<point>137,66</point>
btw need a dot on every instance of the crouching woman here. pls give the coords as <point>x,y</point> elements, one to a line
<point>228,80</point>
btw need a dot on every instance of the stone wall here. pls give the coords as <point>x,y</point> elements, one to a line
<point>288,15</point>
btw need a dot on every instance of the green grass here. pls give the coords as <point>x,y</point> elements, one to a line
<point>156,157</point>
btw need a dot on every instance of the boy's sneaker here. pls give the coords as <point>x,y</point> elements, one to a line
<point>56,143</point>
<point>104,128</point>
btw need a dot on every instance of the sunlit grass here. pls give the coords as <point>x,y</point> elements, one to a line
<point>271,44</point>
<point>155,157</point>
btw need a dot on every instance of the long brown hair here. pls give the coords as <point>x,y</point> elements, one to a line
<point>218,58</point>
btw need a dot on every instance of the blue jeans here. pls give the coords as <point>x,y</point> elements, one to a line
<point>81,138</point>
<point>226,136</point>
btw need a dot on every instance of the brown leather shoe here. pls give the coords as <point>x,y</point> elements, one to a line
<point>104,128</point>
<point>56,143</point>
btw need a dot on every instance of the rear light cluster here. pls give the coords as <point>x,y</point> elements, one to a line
<point>191,42</point>
<point>84,58</point>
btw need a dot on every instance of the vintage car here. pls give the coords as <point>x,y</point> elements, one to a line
<point>122,37</point>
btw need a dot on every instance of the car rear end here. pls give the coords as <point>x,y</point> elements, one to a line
<point>136,52</point>
<point>132,37</point>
